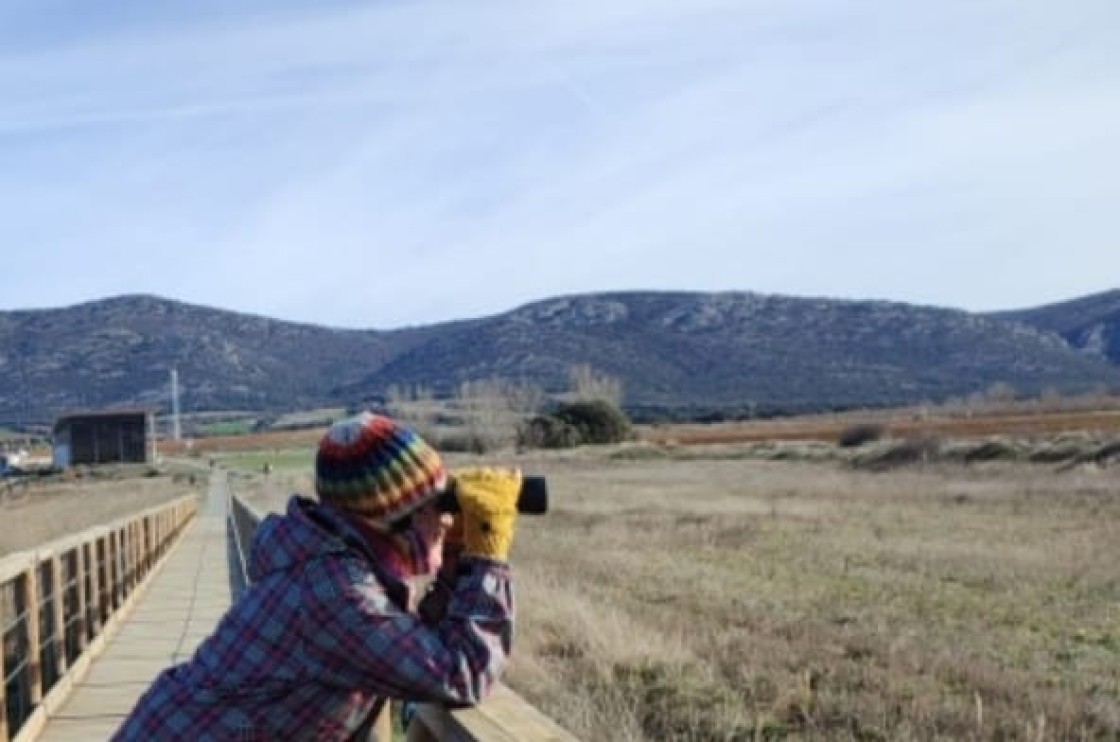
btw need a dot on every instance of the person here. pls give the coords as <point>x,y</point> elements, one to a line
<point>333,624</point>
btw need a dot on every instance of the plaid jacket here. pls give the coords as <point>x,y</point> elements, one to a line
<point>322,636</point>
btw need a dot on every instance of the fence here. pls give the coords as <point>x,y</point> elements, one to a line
<point>59,603</point>
<point>503,717</point>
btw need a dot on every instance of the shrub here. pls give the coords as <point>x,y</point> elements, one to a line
<point>1107,452</point>
<point>597,421</point>
<point>593,422</point>
<point>854,436</point>
<point>992,450</point>
<point>546,431</point>
<point>462,442</point>
<point>916,450</point>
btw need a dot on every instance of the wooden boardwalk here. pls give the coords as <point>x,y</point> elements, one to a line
<point>181,606</point>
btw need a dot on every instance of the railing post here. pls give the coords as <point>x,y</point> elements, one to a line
<point>122,564</point>
<point>104,580</point>
<point>146,527</point>
<point>138,534</point>
<point>30,605</point>
<point>114,572</point>
<point>118,561</point>
<point>93,597</point>
<point>58,606</point>
<point>134,562</point>
<point>82,599</point>
<point>126,558</point>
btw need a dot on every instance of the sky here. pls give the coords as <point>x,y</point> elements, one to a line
<point>399,163</point>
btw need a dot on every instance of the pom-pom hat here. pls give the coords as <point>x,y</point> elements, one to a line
<point>370,465</point>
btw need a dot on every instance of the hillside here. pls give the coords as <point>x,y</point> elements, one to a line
<point>1090,324</point>
<point>121,350</point>
<point>696,350</point>
<point>737,349</point>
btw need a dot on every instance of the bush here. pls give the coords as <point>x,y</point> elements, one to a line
<point>546,431</point>
<point>1107,452</point>
<point>465,442</point>
<point>598,422</point>
<point>854,436</point>
<point>594,422</point>
<point>992,450</point>
<point>916,450</point>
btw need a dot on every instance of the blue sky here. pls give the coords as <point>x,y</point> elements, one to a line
<point>399,163</point>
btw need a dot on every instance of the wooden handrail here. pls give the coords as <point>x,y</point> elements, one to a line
<point>57,600</point>
<point>503,717</point>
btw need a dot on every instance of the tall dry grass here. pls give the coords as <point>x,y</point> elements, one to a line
<point>49,508</point>
<point>742,599</point>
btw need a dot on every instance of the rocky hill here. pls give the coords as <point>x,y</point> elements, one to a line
<point>1090,324</point>
<point>671,350</point>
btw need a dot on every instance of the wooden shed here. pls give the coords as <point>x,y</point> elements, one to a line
<point>103,437</point>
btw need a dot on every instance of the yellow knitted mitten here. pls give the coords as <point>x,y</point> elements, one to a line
<point>488,501</point>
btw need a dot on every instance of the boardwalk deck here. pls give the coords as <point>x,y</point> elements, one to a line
<point>180,608</point>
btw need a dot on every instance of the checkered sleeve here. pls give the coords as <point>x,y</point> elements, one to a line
<point>433,606</point>
<point>357,638</point>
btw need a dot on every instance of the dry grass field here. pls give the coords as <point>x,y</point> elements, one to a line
<point>1098,416</point>
<point>716,597</point>
<point>42,509</point>
<point>730,583</point>
<point>914,423</point>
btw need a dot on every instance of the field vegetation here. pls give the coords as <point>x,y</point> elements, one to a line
<point>713,593</point>
<point>898,575</point>
<point>38,509</point>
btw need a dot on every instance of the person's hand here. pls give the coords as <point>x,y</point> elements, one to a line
<point>454,541</point>
<point>455,538</point>
<point>488,504</point>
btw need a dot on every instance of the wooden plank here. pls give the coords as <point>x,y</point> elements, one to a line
<point>29,587</point>
<point>133,559</point>
<point>127,560</point>
<point>81,627</point>
<point>94,597</point>
<point>116,579</point>
<point>146,543</point>
<point>101,577</point>
<point>503,717</point>
<point>58,605</point>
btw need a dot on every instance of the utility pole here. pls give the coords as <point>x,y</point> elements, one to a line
<point>176,430</point>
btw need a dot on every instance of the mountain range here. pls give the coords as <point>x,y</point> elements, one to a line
<point>672,351</point>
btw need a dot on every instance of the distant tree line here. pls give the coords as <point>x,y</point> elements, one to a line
<point>489,414</point>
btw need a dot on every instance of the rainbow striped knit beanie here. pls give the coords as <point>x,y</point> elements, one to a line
<point>370,465</point>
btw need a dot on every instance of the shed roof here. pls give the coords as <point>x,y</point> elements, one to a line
<point>101,414</point>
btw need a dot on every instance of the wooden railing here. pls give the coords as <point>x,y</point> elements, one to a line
<point>503,717</point>
<point>61,601</point>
